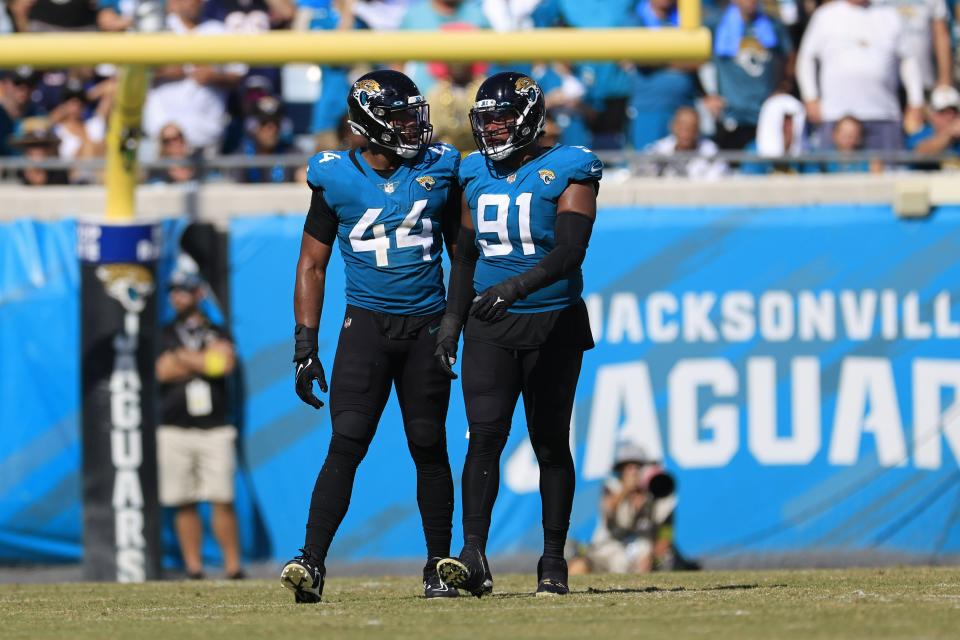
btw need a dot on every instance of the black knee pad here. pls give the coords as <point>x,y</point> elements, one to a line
<point>354,425</point>
<point>488,409</point>
<point>488,438</point>
<point>424,434</point>
<point>553,452</point>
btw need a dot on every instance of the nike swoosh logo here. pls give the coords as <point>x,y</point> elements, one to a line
<point>303,366</point>
<point>433,330</point>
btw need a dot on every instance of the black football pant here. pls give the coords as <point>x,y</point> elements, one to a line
<point>493,379</point>
<point>375,352</point>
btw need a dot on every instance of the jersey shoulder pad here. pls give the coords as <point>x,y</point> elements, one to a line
<point>442,157</point>
<point>323,168</point>
<point>471,166</point>
<point>580,164</point>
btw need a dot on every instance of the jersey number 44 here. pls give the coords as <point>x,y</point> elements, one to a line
<point>404,236</point>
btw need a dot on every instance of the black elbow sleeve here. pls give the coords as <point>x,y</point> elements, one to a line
<point>460,292</point>
<point>573,235</point>
<point>321,223</point>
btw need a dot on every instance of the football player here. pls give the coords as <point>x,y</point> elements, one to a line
<point>389,206</point>
<point>515,288</point>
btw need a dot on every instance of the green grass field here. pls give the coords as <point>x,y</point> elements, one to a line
<point>861,603</point>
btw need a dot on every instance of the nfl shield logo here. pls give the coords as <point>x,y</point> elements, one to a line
<point>347,322</point>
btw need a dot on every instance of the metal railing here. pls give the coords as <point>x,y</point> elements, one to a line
<point>210,166</point>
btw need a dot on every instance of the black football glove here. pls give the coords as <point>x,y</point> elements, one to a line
<point>308,366</point>
<point>492,304</point>
<point>447,338</point>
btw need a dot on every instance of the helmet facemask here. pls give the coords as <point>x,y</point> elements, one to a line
<point>404,129</point>
<point>499,129</point>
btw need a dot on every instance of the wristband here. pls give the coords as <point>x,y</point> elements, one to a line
<point>305,341</point>
<point>214,363</point>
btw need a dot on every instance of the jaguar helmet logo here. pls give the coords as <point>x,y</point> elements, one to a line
<point>364,89</point>
<point>128,284</point>
<point>547,176</point>
<point>426,182</point>
<point>525,85</point>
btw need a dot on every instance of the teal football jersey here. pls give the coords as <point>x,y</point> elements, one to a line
<point>515,215</point>
<point>389,229</point>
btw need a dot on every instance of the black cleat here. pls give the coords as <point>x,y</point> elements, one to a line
<point>304,576</point>
<point>552,577</point>
<point>433,586</point>
<point>470,572</point>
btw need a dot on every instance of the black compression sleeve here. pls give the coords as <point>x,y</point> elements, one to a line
<point>321,221</point>
<point>460,293</point>
<point>573,235</point>
<point>450,222</point>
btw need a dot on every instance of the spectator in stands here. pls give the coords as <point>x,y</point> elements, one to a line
<point>81,134</point>
<point>265,136</point>
<point>249,17</point>
<point>7,24</point>
<point>379,15</point>
<point>848,139</point>
<point>125,15</point>
<point>608,85</point>
<point>173,145</point>
<point>15,103</point>
<point>430,15</point>
<point>196,444</point>
<point>510,15</point>
<point>37,141</point>
<point>115,15</point>
<point>780,133</point>
<point>752,57</point>
<point>564,94</point>
<point>192,96</point>
<point>685,138</point>
<point>634,532</point>
<point>848,65</point>
<point>658,90</point>
<point>54,15</point>
<point>927,37</point>
<point>331,105</point>
<point>551,131</point>
<point>451,98</point>
<point>941,134</point>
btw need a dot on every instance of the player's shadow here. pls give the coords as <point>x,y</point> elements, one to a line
<point>624,590</point>
<point>651,589</point>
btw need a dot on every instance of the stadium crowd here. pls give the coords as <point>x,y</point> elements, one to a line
<point>786,78</point>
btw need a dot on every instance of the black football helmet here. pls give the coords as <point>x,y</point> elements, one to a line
<point>508,114</point>
<point>386,108</point>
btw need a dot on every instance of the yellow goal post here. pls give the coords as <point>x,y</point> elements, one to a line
<point>136,52</point>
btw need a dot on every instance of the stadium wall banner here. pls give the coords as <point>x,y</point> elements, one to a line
<point>121,526</point>
<point>796,368</point>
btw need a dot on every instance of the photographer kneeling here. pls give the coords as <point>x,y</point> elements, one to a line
<point>635,529</point>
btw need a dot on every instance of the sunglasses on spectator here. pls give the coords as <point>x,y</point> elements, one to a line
<point>170,139</point>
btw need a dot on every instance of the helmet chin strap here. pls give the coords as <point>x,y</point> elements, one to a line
<point>406,152</point>
<point>500,152</point>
